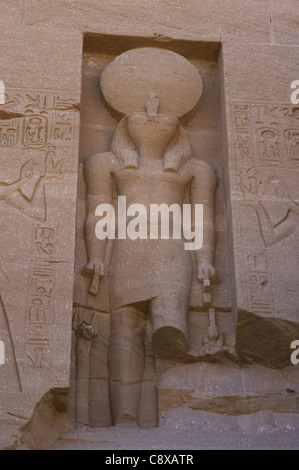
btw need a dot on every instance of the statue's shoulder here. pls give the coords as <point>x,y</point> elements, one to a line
<point>99,161</point>
<point>195,167</point>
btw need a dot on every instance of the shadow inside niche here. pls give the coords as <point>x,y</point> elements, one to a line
<point>265,341</point>
<point>48,422</point>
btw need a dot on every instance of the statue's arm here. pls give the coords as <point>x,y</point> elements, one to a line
<point>203,186</point>
<point>35,207</point>
<point>293,206</point>
<point>98,171</point>
<point>27,194</point>
<point>6,189</point>
<point>270,233</point>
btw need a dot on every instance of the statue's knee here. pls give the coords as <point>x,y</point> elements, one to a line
<point>127,318</point>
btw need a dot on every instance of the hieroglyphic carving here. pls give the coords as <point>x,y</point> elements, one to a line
<point>260,284</point>
<point>45,239</point>
<point>242,131</point>
<point>42,122</point>
<point>270,151</point>
<point>35,131</point>
<point>266,134</point>
<point>243,144</point>
<point>47,117</point>
<point>63,127</point>
<point>260,177</point>
<point>292,144</point>
<point>36,103</point>
<point>242,117</point>
<point>248,183</point>
<point>40,315</point>
<point>9,133</point>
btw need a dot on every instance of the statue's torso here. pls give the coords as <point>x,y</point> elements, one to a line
<point>146,188</point>
<point>144,269</point>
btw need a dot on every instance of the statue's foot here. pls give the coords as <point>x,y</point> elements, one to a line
<point>126,420</point>
<point>170,342</point>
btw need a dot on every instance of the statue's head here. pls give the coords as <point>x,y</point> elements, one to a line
<point>152,88</point>
<point>152,130</point>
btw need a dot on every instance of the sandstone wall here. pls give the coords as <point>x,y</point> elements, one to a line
<point>247,128</point>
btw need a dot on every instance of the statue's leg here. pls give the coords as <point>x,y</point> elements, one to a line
<point>148,410</point>
<point>83,348</point>
<point>99,404</point>
<point>169,325</point>
<point>126,363</point>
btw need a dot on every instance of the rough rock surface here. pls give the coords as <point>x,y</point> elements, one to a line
<point>52,119</point>
<point>223,389</point>
<point>183,429</point>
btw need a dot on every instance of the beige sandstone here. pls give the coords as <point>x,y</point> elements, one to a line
<point>224,346</point>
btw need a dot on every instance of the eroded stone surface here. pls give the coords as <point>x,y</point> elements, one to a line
<point>224,389</point>
<point>245,127</point>
<point>183,428</point>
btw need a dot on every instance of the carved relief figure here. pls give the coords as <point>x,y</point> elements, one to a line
<point>28,192</point>
<point>277,211</point>
<point>149,162</point>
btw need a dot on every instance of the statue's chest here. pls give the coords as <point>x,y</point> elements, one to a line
<point>138,183</point>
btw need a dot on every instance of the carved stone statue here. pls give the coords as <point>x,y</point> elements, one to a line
<point>149,162</point>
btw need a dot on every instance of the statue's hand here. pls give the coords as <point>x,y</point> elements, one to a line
<point>251,200</point>
<point>96,270</point>
<point>27,171</point>
<point>31,172</point>
<point>92,266</point>
<point>205,271</point>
